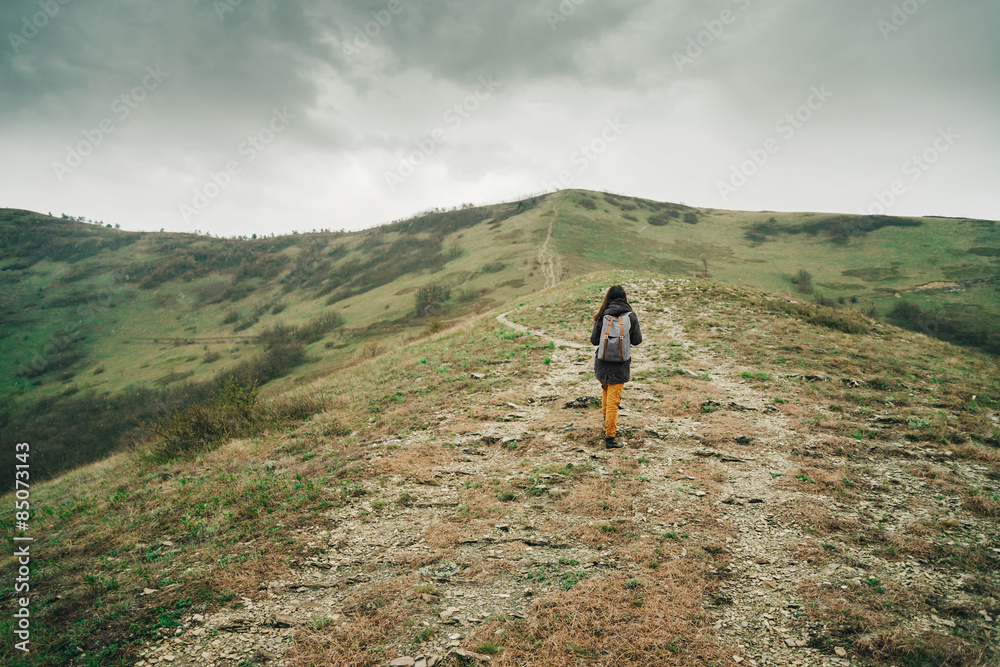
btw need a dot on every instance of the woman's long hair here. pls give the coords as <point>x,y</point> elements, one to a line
<point>615,292</point>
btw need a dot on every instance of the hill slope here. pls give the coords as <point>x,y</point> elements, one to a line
<point>788,490</point>
<point>104,331</point>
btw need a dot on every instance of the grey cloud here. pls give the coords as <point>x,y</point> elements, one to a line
<point>357,113</point>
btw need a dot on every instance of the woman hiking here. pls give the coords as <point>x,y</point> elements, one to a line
<point>616,329</point>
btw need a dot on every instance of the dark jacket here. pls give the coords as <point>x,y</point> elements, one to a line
<point>615,372</point>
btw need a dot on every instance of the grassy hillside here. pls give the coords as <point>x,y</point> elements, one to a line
<point>934,275</point>
<point>798,480</point>
<point>106,331</point>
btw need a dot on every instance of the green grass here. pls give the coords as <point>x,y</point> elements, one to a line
<point>226,497</point>
<point>846,256</point>
<point>95,313</point>
<point>213,509</point>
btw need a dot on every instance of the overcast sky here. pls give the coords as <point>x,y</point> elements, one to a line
<point>260,116</point>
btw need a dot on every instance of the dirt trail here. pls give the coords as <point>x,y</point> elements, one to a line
<point>502,319</point>
<point>761,598</point>
<point>546,258</point>
<point>752,611</point>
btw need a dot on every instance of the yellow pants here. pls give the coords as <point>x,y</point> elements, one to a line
<point>610,398</point>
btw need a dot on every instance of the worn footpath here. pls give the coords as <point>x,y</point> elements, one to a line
<point>717,485</point>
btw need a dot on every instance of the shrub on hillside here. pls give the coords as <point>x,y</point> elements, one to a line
<point>234,410</point>
<point>230,412</point>
<point>317,327</point>
<point>275,362</point>
<point>80,429</point>
<point>466,294</point>
<point>308,332</point>
<point>371,349</point>
<point>236,292</point>
<point>847,321</point>
<point>691,218</point>
<point>276,335</point>
<point>588,204</point>
<point>260,266</point>
<point>944,325</point>
<point>60,361</point>
<point>803,282</point>
<point>247,322</point>
<point>826,301</point>
<point>430,299</point>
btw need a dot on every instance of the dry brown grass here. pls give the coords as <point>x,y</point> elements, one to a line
<point>487,571</point>
<point>416,560</point>
<point>920,527</point>
<point>722,431</point>
<point>981,505</point>
<point>376,621</point>
<point>971,452</point>
<point>929,648</point>
<point>848,610</point>
<point>447,533</point>
<point>680,399</point>
<point>480,503</point>
<point>832,481</point>
<point>269,565</point>
<point>844,446</point>
<point>603,534</point>
<point>414,461</point>
<point>810,551</point>
<point>597,499</point>
<point>615,620</point>
<point>812,516</point>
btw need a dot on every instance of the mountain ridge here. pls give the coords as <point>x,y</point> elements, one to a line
<point>143,322</point>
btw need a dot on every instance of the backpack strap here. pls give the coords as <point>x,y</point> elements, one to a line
<point>621,334</point>
<point>604,353</point>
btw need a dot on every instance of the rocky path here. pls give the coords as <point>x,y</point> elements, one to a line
<point>546,257</point>
<point>748,444</point>
<point>761,598</point>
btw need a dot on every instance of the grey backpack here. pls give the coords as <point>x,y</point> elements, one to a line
<point>616,344</point>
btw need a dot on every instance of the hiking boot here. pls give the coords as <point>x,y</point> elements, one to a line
<point>609,443</point>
